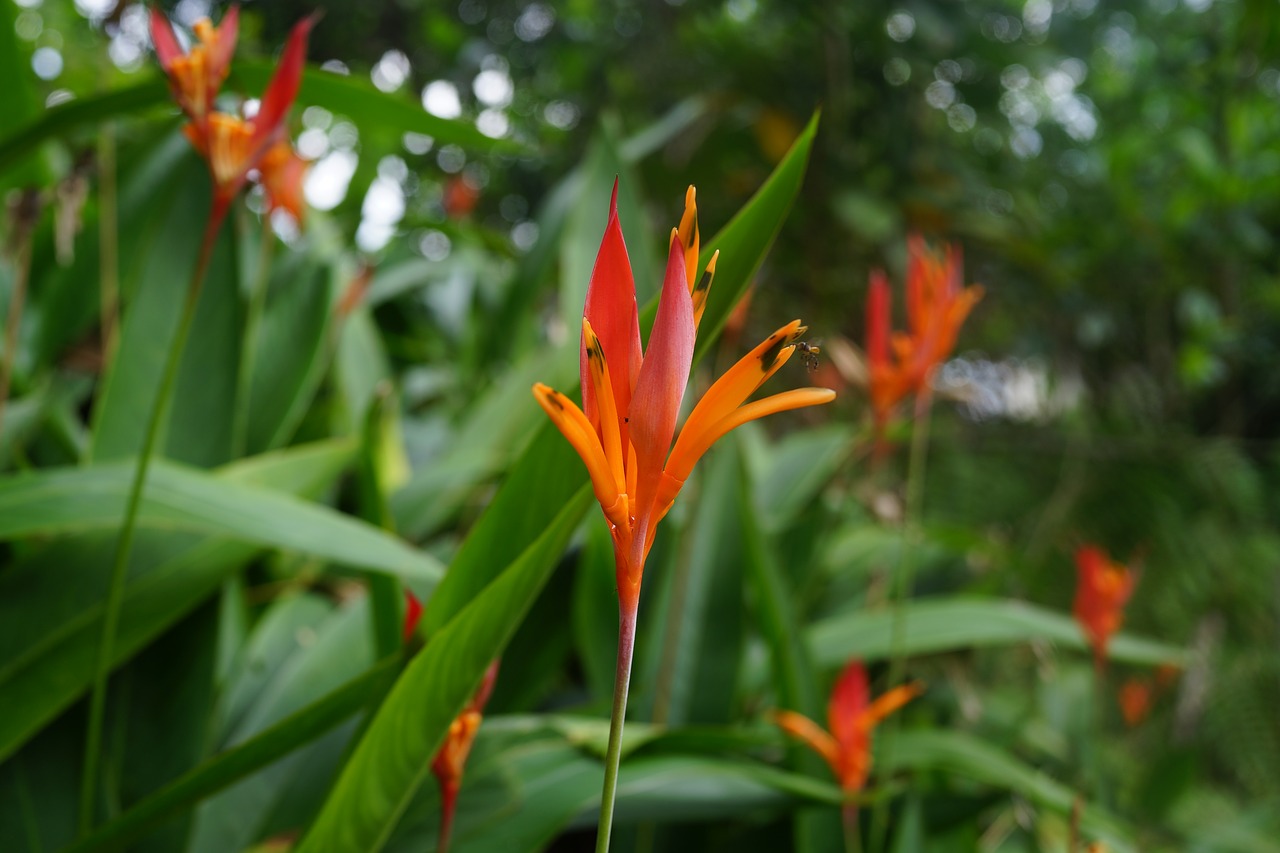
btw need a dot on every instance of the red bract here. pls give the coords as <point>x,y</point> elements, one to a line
<point>235,147</point>
<point>631,400</point>
<point>1103,588</point>
<point>901,363</point>
<point>412,615</point>
<point>196,75</point>
<point>851,718</point>
<point>451,760</point>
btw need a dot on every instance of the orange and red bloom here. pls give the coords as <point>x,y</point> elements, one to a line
<point>1103,588</point>
<point>451,760</point>
<point>851,719</point>
<point>631,400</point>
<point>901,363</point>
<point>234,147</point>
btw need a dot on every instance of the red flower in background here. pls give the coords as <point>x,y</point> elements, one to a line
<point>851,718</point>
<point>1103,588</point>
<point>901,363</point>
<point>451,760</point>
<point>235,147</point>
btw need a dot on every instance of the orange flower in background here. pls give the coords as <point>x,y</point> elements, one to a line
<point>901,363</point>
<point>851,718</point>
<point>234,147</point>
<point>1135,700</point>
<point>451,760</point>
<point>631,400</point>
<point>196,75</point>
<point>1103,588</point>
<point>412,615</point>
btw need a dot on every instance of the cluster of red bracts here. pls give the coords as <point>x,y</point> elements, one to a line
<point>901,364</point>
<point>236,148</point>
<point>1103,588</point>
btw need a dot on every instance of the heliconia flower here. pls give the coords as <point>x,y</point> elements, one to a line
<point>901,363</point>
<point>1103,588</point>
<point>451,760</point>
<point>851,718</point>
<point>196,75</point>
<point>234,147</point>
<point>412,615</point>
<point>631,400</point>
<point>281,173</point>
<point>1135,700</point>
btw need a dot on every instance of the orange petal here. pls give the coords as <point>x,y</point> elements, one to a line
<point>575,427</point>
<point>598,375</point>
<point>885,705</point>
<point>801,727</point>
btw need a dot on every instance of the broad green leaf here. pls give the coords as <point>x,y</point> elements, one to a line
<point>699,625</point>
<point>60,501</point>
<point>967,756</point>
<point>338,648</point>
<point>744,242</point>
<point>49,628</point>
<point>231,765</point>
<point>393,758</point>
<point>292,350</point>
<point>956,623</point>
<point>62,120</point>
<point>369,107</point>
<point>798,467</point>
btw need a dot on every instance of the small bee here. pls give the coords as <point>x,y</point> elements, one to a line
<point>808,354</point>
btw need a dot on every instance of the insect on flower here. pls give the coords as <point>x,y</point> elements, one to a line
<point>808,354</point>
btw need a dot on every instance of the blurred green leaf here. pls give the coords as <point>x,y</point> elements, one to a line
<point>952,624</point>
<point>56,501</point>
<point>393,758</point>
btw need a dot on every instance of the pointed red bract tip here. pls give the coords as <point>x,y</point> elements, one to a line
<point>163,39</point>
<point>849,698</point>
<point>228,32</point>
<point>412,614</point>
<point>283,88</point>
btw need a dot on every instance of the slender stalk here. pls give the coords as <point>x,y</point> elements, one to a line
<point>902,589</point>
<point>124,543</point>
<point>28,210</point>
<point>621,684</point>
<point>108,242</point>
<point>249,352</point>
<point>849,819</point>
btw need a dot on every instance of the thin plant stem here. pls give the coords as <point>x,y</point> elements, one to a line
<point>124,543</point>
<point>108,243</point>
<point>621,684</point>
<point>249,353</point>
<point>902,589</point>
<point>28,209</point>
<point>849,820</point>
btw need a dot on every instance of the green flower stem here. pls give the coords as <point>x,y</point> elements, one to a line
<point>249,352</point>
<point>849,820</point>
<point>124,543</point>
<point>621,684</point>
<point>902,588</point>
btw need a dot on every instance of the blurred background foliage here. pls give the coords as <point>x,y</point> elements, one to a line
<point>1112,171</point>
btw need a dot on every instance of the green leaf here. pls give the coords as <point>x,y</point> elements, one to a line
<point>957,623</point>
<point>369,107</point>
<point>964,755</point>
<point>227,767</point>
<point>60,501</point>
<point>393,758</point>
<point>63,120</point>
<point>745,241</point>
